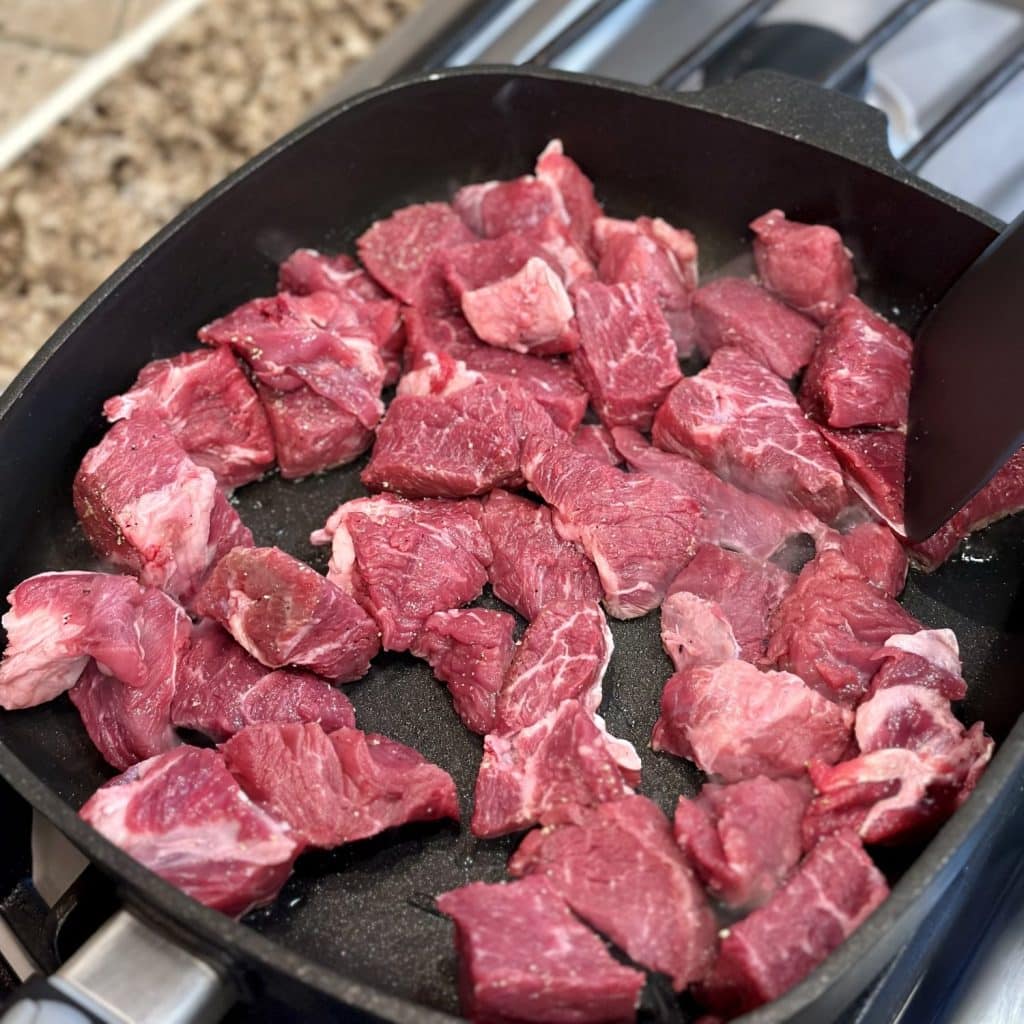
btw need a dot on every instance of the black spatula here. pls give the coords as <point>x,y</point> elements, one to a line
<point>967,396</point>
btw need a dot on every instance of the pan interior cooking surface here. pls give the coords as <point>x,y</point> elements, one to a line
<point>366,910</point>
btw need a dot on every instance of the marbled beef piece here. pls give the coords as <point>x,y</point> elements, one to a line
<point>741,421</point>
<point>455,445</point>
<point>549,381</point>
<point>735,312</point>
<point>565,758</point>
<point>929,658</point>
<point>876,551</point>
<point>563,655</point>
<point>208,404</point>
<point>617,867</point>
<point>626,358</point>
<point>185,818</point>
<point>807,265</point>
<point>307,271</point>
<point>746,590</point>
<point>524,957</point>
<point>859,375</point>
<point>402,253</point>
<point>492,209</point>
<point>873,464</point>
<point>832,893</point>
<point>285,613</point>
<point>736,722</point>
<point>335,788</point>
<point>665,257</point>
<point>744,839</point>
<point>528,311</point>
<point>696,631</point>
<point>575,188</point>
<point>470,650</point>
<point>404,560</point>
<point>146,506</point>
<point>597,441</point>
<point>222,689</point>
<point>531,564</point>
<point>829,626</point>
<point>638,531</point>
<point>732,518</point>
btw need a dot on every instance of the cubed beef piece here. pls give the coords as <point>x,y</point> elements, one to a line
<point>618,868</point>
<point>476,264</point>
<point>807,265</point>
<point>626,358</point>
<point>401,252</point>
<point>832,893</point>
<point>736,722</point>
<point>830,624</point>
<point>405,560</point>
<point>524,957</point>
<point>733,311</point>
<point>744,839</point>
<point>531,564</point>
<point>740,420</point>
<point>208,404</point>
<point>495,208</point>
<point>470,650</point>
<point>339,787</point>
<point>575,188</point>
<point>222,689</point>
<point>696,631</point>
<point>876,551</point>
<point>638,531</point>
<point>285,613</point>
<point>146,506</point>
<point>859,375</point>
<point>873,463</point>
<point>929,658</point>
<point>185,818</point>
<point>565,758</point>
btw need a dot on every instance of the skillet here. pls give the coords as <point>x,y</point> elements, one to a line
<point>355,928</point>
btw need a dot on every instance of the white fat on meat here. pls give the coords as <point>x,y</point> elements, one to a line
<point>938,646</point>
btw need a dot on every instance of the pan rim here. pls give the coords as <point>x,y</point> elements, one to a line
<point>228,937</point>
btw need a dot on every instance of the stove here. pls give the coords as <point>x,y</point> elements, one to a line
<point>947,73</point>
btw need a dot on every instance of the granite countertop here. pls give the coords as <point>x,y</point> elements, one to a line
<point>229,79</point>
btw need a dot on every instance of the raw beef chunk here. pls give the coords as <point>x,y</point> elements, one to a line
<point>145,505</point>
<point>877,552</point>
<point>317,362</point>
<point>476,264</point>
<point>805,264</point>
<point>563,655</point>
<point>873,463</point>
<point>59,620</point>
<point>470,650</point>
<point>696,631</point>
<point>733,518</point>
<point>404,560</point>
<point>531,564</point>
<point>456,445</point>
<point>744,839</point>
<point>339,787</point>
<point>652,250</point>
<point>733,311</point>
<point>549,381</point>
<point>829,626</point>
<point>911,717</point>
<point>529,311</point>
<point>746,590</point>
<point>575,188</point>
<point>618,868</point>
<point>285,613</point>
<point>565,758</point>
<point>638,531</point>
<point>597,441</point>
<point>402,252</point>
<point>307,271</point>
<point>221,689</point>
<point>185,818</point>
<point>626,359</point>
<point>740,420</point>
<point>208,404</point>
<point>495,208</point>
<point>859,375</point>
<point>929,658</point>
<point>830,896</point>
<point>524,957</point>
<point>737,722</point>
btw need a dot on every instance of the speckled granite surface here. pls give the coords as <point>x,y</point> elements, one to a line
<point>222,85</point>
